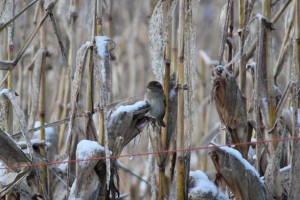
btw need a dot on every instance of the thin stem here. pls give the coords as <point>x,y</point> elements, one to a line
<point>3,26</point>
<point>164,133</point>
<point>10,49</point>
<point>180,115</point>
<point>242,66</point>
<point>99,32</point>
<point>110,19</point>
<point>42,104</point>
<point>230,37</point>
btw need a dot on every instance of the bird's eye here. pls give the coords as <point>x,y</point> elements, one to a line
<point>219,69</point>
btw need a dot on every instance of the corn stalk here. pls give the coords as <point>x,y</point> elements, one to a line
<point>164,134</point>
<point>10,49</point>
<point>297,27</point>
<point>110,19</point>
<point>242,66</point>
<point>229,40</point>
<point>269,75</point>
<point>173,69</point>
<point>294,190</point>
<point>90,78</point>
<point>100,32</point>
<point>264,83</point>
<point>42,104</point>
<point>180,115</point>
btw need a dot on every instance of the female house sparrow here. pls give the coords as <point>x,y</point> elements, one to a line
<point>155,96</point>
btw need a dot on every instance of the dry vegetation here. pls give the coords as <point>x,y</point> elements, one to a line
<point>73,76</point>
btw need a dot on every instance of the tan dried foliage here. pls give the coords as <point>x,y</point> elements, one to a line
<point>86,173</point>
<point>17,156</point>
<point>76,85</point>
<point>236,173</point>
<point>228,98</point>
<point>231,106</point>
<point>124,124</point>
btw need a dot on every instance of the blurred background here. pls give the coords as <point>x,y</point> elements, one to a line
<point>127,23</point>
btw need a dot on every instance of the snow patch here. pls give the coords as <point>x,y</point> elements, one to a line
<point>101,44</point>
<point>63,165</point>
<point>202,183</point>
<point>286,168</point>
<point>202,186</point>
<point>128,108</point>
<point>87,148</point>
<point>48,131</point>
<point>3,91</point>
<point>238,156</point>
<point>6,176</point>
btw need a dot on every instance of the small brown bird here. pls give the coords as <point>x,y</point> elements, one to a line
<point>155,96</point>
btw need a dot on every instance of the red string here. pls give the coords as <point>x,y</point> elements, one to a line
<point>146,153</point>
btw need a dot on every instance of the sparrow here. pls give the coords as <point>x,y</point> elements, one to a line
<point>156,98</point>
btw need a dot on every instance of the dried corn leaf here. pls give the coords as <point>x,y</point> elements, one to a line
<point>231,106</point>
<point>15,179</point>
<point>238,174</point>
<point>73,138</point>
<point>284,98</point>
<point>228,98</point>
<point>78,134</point>
<point>16,161</point>
<point>157,147</point>
<point>285,174</point>
<point>76,84</point>
<point>21,117</point>
<point>16,156</point>
<point>125,122</point>
<point>104,45</point>
<point>87,184</point>
<point>272,176</point>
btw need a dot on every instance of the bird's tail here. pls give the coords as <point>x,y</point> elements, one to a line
<point>161,123</point>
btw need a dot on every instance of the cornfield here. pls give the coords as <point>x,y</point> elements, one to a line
<point>74,123</point>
